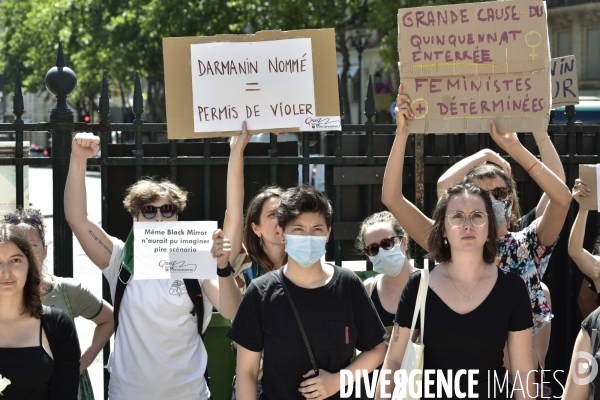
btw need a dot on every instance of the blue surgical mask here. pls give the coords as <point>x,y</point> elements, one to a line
<point>388,262</point>
<point>305,249</point>
<point>502,212</point>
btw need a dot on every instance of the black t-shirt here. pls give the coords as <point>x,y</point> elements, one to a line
<point>526,219</point>
<point>337,317</point>
<point>470,341</point>
<point>591,323</point>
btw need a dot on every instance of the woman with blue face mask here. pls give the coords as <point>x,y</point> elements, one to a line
<point>330,302</point>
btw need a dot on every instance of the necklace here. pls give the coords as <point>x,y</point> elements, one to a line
<point>322,279</point>
<point>466,298</point>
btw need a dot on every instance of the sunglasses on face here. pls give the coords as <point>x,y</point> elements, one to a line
<point>386,244</point>
<point>501,193</point>
<point>167,211</point>
<point>29,220</point>
<point>458,218</point>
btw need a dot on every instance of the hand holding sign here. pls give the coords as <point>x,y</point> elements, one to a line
<point>221,248</point>
<point>403,111</point>
<point>238,143</point>
<point>580,189</point>
<point>506,140</point>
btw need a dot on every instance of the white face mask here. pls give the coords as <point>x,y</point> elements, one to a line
<point>502,212</point>
<point>388,262</point>
<point>305,249</point>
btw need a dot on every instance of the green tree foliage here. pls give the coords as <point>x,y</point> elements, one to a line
<point>383,17</point>
<point>120,37</point>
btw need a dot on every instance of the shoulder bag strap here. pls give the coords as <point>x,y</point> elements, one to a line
<point>306,343</point>
<point>122,281</point>
<point>420,304</point>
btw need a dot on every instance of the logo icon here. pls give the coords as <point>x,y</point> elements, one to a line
<point>584,362</point>
<point>177,288</point>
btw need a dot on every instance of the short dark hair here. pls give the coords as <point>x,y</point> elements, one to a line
<point>441,252</point>
<point>253,212</point>
<point>32,299</point>
<point>382,216</point>
<point>302,199</point>
<point>491,171</point>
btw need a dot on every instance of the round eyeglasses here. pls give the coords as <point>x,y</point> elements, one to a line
<point>458,218</point>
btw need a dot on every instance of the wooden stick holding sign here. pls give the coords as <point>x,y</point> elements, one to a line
<point>174,249</point>
<point>590,173</point>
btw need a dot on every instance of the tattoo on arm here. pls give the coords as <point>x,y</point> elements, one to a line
<point>100,242</point>
<point>397,328</point>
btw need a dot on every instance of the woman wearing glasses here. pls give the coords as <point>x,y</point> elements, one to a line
<point>67,294</point>
<point>466,326</point>
<point>158,352</point>
<point>525,252</point>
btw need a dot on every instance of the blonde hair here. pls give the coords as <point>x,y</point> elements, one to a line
<point>149,190</point>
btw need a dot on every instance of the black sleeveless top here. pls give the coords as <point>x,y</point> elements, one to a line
<point>386,318</point>
<point>29,370</point>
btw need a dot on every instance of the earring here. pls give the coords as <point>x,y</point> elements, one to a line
<point>487,240</point>
<point>445,241</point>
<point>260,241</point>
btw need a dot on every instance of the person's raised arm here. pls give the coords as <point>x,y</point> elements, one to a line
<point>233,225</point>
<point>553,218</point>
<point>586,262</point>
<point>223,293</point>
<point>96,243</point>
<point>415,223</point>
<point>521,360</point>
<point>455,174</point>
<point>246,371</point>
<point>551,160</point>
<point>105,326</point>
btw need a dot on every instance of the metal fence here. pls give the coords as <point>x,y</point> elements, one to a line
<point>354,162</point>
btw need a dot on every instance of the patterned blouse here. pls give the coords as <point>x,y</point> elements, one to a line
<point>522,253</point>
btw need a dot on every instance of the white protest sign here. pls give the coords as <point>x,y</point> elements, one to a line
<point>563,72</point>
<point>174,249</point>
<point>268,84</point>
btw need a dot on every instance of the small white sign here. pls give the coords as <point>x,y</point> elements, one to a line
<point>308,124</point>
<point>269,84</point>
<point>174,249</point>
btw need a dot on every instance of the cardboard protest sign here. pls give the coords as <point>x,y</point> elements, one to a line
<point>276,81</point>
<point>565,90</point>
<point>589,173</point>
<point>174,249</point>
<point>466,64</point>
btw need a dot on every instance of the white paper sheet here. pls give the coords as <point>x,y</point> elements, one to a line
<point>169,250</point>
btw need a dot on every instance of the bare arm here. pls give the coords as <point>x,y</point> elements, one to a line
<point>223,293</point>
<point>553,218</point>
<point>574,391</point>
<point>455,174</point>
<point>521,360</point>
<point>415,223</point>
<point>551,159</point>
<point>105,326</point>
<point>233,226</point>
<point>246,370</point>
<point>392,361</point>
<point>96,243</point>
<point>583,258</point>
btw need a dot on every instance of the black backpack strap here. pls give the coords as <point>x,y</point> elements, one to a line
<point>122,281</point>
<point>195,292</point>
